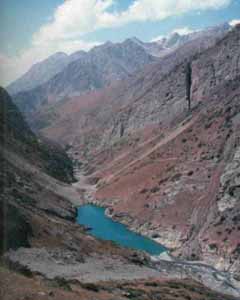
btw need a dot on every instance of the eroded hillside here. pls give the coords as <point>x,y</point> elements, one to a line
<point>160,167</point>
<point>161,148</point>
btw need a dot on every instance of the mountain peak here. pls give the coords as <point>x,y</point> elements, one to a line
<point>58,55</point>
<point>134,40</point>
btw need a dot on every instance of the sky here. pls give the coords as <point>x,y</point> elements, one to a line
<point>31,30</point>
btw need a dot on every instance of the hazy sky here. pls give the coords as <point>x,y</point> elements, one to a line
<point>31,30</point>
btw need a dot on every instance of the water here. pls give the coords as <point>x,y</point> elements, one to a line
<point>105,228</point>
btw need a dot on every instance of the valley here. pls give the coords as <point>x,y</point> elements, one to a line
<point>118,154</point>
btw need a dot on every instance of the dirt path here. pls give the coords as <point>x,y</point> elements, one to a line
<point>171,136</point>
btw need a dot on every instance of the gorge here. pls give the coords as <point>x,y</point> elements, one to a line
<point>147,131</point>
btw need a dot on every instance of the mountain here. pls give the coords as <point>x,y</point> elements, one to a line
<point>106,64</point>
<point>98,68</point>
<point>16,134</point>
<point>162,169</point>
<point>38,211</point>
<point>27,166</point>
<point>165,45</point>
<point>45,255</point>
<point>39,73</point>
<point>105,100</point>
<point>158,146</point>
<point>208,35</point>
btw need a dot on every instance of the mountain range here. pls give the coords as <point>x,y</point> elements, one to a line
<point>102,65</point>
<point>132,128</point>
<point>154,131</point>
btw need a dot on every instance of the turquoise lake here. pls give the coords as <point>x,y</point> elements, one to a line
<point>105,228</point>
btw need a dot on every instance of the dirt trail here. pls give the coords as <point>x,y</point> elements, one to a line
<point>171,136</point>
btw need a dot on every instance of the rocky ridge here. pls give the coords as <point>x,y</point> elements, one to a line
<point>40,73</point>
<point>80,72</point>
<point>89,71</point>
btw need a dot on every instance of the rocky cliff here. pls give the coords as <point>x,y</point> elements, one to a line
<point>173,183</point>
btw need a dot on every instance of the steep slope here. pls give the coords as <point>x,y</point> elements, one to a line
<point>40,73</point>
<point>23,159</point>
<point>99,67</point>
<point>207,35</point>
<point>182,181</point>
<point>159,167</point>
<point>103,65</point>
<point>16,135</point>
<point>37,209</point>
<point>36,225</point>
<point>15,286</point>
<point>91,111</point>
<point>49,254</point>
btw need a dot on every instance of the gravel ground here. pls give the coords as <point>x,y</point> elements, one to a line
<point>56,263</point>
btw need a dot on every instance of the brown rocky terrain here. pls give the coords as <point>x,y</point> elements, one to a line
<point>48,256</point>
<point>178,181</point>
<point>15,286</point>
<point>45,255</point>
<point>165,171</point>
<point>165,167</point>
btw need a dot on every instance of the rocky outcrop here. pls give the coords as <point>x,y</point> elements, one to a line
<point>223,245</point>
<point>230,184</point>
